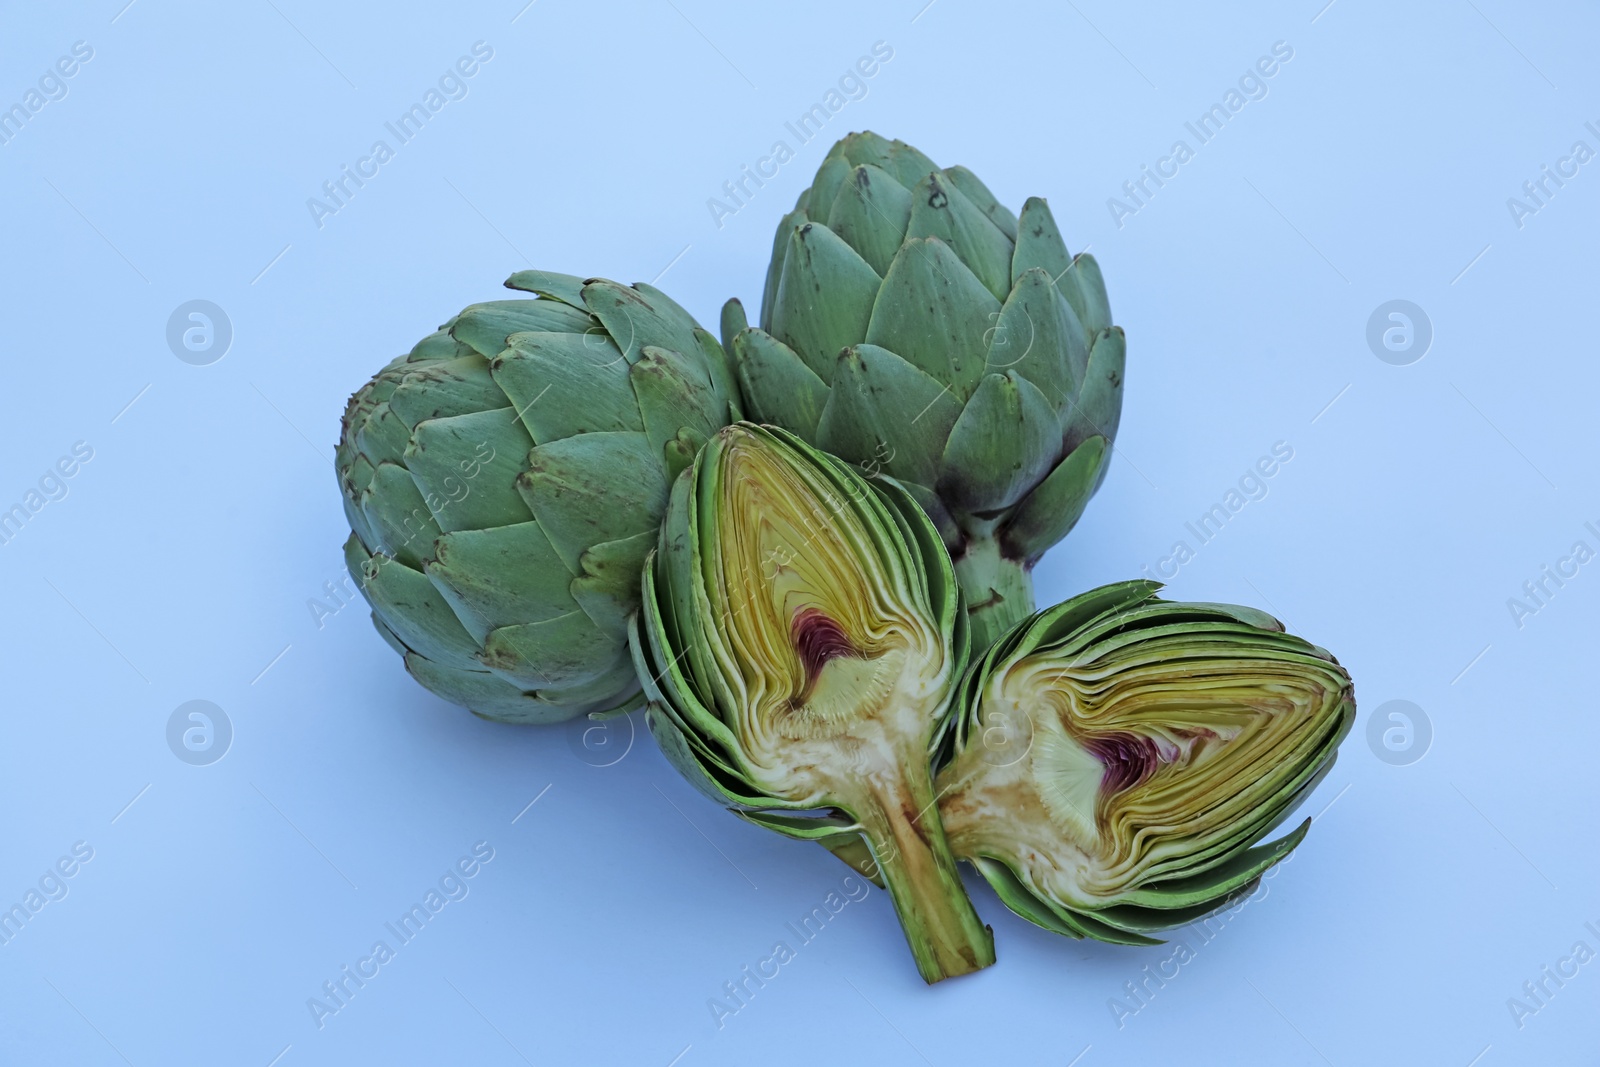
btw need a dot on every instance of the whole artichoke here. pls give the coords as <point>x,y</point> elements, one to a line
<point>505,480</point>
<point>1117,758</point>
<point>914,326</point>
<point>800,640</point>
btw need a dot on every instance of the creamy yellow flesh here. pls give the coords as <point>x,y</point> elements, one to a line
<point>1218,729</point>
<point>790,548</point>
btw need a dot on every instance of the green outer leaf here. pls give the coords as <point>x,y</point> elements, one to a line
<point>983,199</point>
<point>1016,896</point>
<point>673,745</point>
<point>734,322</point>
<point>1057,623</point>
<point>397,517</point>
<point>1150,921</point>
<point>1104,931</point>
<point>436,346</point>
<point>933,312</point>
<point>968,691</point>
<point>777,385</point>
<point>466,467</point>
<point>608,588</point>
<point>634,321</point>
<point>667,307</point>
<point>594,488</point>
<point>800,827</point>
<point>1327,752</point>
<point>500,576</point>
<point>831,176</point>
<point>1039,244</point>
<point>444,388</point>
<point>870,214</point>
<point>727,406</point>
<point>1038,337</point>
<point>908,165</point>
<point>684,604</point>
<point>780,252</point>
<point>564,384</point>
<point>1249,616</point>
<point>640,643</point>
<point>484,693</point>
<point>1242,868</point>
<point>939,209</point>
<point>353,482</point>
<point>1099,407</point>
<point>674,395</point>
<point>1050,511</point>
<point>485,327</point>
<point>824,297</point>
<point>567,288</point>
<point>1005,440</point>
<point>887,414</point>
<point>387,634</point>
<point>1083,278</point>
<point>702,347</point>
<point>383,437</point>
<point>612,692</point>
<point>568,650</point>
<point>938,514</point>
<point>412,609</point>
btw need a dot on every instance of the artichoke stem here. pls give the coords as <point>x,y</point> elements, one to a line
<point>913,859</point>
<point>999,591</point>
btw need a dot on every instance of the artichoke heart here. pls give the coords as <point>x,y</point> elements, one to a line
<point>800,639</point>
<point>1120,758</point>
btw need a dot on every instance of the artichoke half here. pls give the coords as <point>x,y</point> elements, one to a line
<point>914,326</point>
<point>1117,758</point>
<point>505,480</point>
<point>800,640</point>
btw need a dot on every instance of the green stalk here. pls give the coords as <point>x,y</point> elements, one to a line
<point>999,591</point>
<point>901,825</point>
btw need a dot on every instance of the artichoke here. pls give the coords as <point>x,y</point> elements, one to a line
<point>1117,758</point>
<point>506,479</point>
<point>913,325</point>
<point>800,640</point>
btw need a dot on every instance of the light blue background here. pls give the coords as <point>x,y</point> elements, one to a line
<point>180,564</point>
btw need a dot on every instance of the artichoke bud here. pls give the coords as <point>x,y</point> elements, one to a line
<point>993,357</point>
<point>800,639</point>
<point>1119,758</point>
<point>505,480</point>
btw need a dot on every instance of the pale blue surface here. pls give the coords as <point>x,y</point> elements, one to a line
<point>181,560</point>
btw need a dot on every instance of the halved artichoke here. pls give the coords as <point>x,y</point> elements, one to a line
<point>1121,756</point>
<point>1117,758</point>
<point>800,639</point>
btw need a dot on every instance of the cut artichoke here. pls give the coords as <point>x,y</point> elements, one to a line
<point>505,480</point>
<point>913,325</point>
<point>800,640</point>
<point>1118,757</point>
